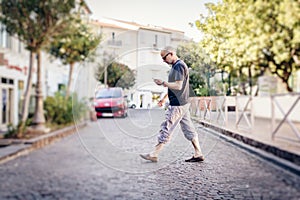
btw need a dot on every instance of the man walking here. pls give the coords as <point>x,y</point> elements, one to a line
<point>178,109</point>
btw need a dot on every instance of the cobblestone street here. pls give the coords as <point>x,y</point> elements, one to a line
<point>102,162</point>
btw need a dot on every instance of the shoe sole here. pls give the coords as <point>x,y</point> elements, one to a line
<point>195,160</point>
<point>147,157</point>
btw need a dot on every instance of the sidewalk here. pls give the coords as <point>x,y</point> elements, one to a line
<point>13,148</point>
<point>285,143</point>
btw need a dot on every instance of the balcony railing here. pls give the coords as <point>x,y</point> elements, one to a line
<point>115,43</point>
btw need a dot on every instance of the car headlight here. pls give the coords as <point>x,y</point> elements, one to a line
<point>95,104</point>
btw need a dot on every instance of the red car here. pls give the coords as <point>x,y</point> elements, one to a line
<point>110,102</point>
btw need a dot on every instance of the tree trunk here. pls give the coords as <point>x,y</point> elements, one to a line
<point>285,79</point>
<point>223,83</point>
<point>70,80</point>
<point>295,58</point>
<point>27,94</point>
<point>289,89</point>
<point>39,118</point>
<point>250,79</point>
<point>229,84</point>
<point>207,74</point>
<point>242,84</point>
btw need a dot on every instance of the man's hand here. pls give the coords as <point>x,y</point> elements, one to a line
<point>158,81</point>
<point>161,103</point>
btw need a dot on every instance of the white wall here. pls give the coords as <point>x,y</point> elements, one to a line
<point>16,56</point>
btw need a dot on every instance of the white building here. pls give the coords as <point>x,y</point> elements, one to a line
<point>138,46</point>
<point>13,73</point>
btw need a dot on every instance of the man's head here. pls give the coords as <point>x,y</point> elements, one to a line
<point>168,54</point>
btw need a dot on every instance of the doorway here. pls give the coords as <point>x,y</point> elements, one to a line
<point>6,106</point>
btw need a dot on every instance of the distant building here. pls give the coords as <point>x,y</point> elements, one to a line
<point>138,46</point>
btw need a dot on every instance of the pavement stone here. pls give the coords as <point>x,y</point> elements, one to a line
<point>92,165</point>
<point>83,166</point>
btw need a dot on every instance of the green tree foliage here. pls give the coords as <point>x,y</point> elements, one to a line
<point>252,36</point>
<point>75,43</point>
<point>202,68</point>
<point>35,22</point>
<point>118,75</point>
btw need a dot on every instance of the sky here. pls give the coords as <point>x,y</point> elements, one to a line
<point>174,14</point>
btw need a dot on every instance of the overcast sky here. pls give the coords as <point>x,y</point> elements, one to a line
<point>175,14</point>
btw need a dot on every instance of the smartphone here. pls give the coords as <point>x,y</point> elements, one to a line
<point>155,80</point>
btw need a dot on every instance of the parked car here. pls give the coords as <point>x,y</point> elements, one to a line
<point>110,102</point>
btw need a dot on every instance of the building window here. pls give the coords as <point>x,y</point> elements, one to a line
<point>113,35</point>
<point>61,87</point>
<point>20,85</point>
<point>5,39</point>
<point>8,41</point>
<point>7,81</point>
<point>11,81</point>
<point>155,45</point>
<point>4,106</point>
<point>3,80</point>
<point>142,38</point>
<point>114,43</point>
<point>20,47</point>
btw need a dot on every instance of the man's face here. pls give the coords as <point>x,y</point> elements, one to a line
<point>166,56</point>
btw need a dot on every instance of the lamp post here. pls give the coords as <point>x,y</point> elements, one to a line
<point>39,118</point>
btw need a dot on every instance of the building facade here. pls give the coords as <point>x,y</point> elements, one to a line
<point>138,46</point>
<point>14,61</point>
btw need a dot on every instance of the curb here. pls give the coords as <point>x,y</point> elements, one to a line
<point>283,154</point>
<point>30,145</point>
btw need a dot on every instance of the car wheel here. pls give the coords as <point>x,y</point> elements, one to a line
<point>124,115</point>
<point>133,106</point>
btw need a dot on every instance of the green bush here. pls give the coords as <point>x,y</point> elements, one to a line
<point>59,110</point>
<point>16,131</point>
<point>12,131</point>
<point>204,91</point>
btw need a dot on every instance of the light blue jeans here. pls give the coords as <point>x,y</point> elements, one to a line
<point>177,115</point>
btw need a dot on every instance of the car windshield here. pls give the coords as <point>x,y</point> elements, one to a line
<point>108,93</point>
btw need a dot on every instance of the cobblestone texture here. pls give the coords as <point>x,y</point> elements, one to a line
<point>102,162</point>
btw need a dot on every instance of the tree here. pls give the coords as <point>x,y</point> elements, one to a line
<point>76,43</point>
<point>254,35</point>
<point>35,22</point>
<point>199,61</point>
<point>118,75</point>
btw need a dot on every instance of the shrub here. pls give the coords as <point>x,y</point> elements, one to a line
<point>12,131</point>
<point>16,131</point>
<point>59,110</point>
